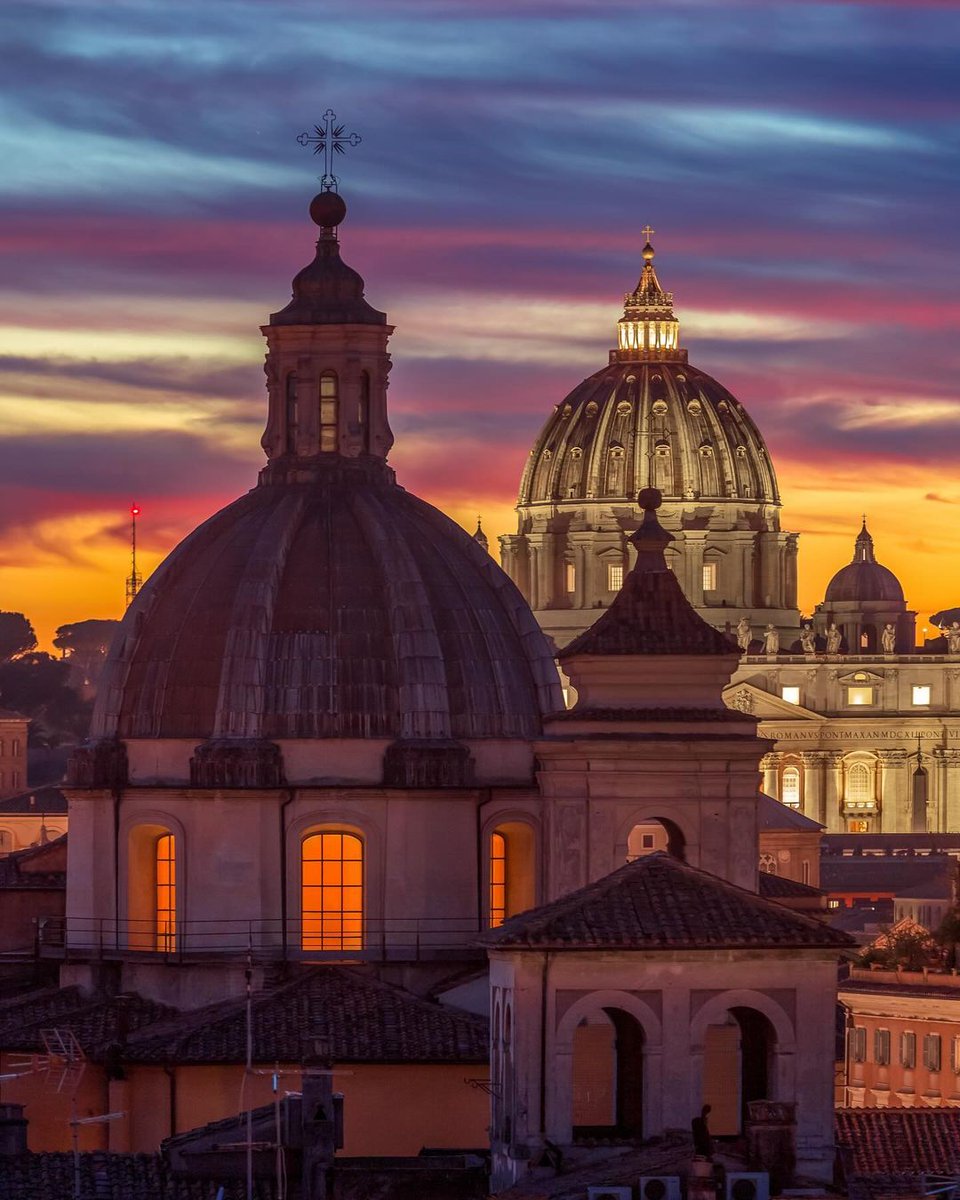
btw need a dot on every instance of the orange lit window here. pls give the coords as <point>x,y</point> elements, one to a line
<point>498,878</point>
<point>332,892</point>
<point>166,896</point>
<point>328,411</point>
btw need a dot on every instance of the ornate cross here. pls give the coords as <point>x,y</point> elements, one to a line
<point>330,139</point>
<point>647,232</point>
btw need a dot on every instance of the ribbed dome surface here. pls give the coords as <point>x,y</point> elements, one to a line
<point>637,424</point>
<point>339,608</point>
<point>864,581</point>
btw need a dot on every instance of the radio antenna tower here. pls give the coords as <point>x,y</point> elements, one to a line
<point>134,579</point>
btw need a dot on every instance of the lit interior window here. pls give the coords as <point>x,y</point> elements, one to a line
<point>166,897</point>
<point>571,577</point>
<point>791,694</point>
<point>790,787</point>
<point>921,694</point>
<point>710,577</point>
<point>332,892</point>
<point>614,577</point>
<point>859,695</point>
<point>858,792</point>
<point>328,411</point>
<point>498,878</point>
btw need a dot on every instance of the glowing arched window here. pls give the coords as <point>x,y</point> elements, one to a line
<point>768,864</point>
<point>292,414</point>
<point>332,891</point>
<point>859,789</point>
<point>329,393</point>
<point>166,892</point>
<point>498,878</point>
<point>511,887</point>
<point>790,787</point>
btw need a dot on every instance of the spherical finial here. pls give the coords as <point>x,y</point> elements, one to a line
<point>648,253</point>
<point>649,498</point>
<point>327,209</point>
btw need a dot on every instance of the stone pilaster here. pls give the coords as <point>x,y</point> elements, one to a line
<point>948,786</point>
<point>814,784</point>
<point>770,766</point>
<point>896,803</point>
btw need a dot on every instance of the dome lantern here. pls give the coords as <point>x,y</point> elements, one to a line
<point>648,329</point>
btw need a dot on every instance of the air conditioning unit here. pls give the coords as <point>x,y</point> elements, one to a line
<point>609,1193</point>
<point>659,1187</point>
<point>748,1185</point>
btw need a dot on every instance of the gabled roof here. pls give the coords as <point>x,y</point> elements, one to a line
<point>362,1020</point>
<point>659,903</point>
<point>48,800</point>
<point>892,1140</point>
<point>778,887</point>
<point>771,814</point>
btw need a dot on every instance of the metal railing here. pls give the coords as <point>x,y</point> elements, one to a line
<point>376,940</point>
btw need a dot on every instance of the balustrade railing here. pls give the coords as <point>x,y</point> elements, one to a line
<point>370,939</point>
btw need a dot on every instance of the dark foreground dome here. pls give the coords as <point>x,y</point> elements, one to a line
<point>340,608</point>
<point>328,603</point>
<point>863,578</point>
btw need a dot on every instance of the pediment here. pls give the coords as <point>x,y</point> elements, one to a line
<point>860,678</point>
<point>750,699</point>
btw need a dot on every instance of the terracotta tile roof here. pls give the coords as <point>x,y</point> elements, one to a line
<point>362,1019</point>
<point>900,1141</point>
<point>36,866</point>
<point>771,814</point>
<point>96,1023</point>
<point>659,903</point>
<point>48,800</point>
<point>50,1176</point>
<point>650,614</point>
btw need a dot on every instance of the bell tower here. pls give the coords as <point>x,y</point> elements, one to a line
<point>327,364</point>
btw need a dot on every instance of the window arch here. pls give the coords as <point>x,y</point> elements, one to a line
<point>329,406</point>
<point>511,881</point>
<point>768,864</point>
<point>859,789</point>
<point>790,786</point>
<point>291,413</point>
<point>154,872</point>
<point>331,891</point>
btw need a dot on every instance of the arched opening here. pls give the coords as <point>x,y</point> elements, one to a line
<point>608,1075</point>
<point>663,467</point>
<point>331,891</point>
<point>152,889</point>
<point>363,411</point>
<point>616,462</point>
<point>868,638</point>
<point>656,833</point>
<point>511,859</point>
<point>329,405</point>
<point>790,786</point>
<point>768,863</point>
<point>737,1068</point>
<point>291,414</point>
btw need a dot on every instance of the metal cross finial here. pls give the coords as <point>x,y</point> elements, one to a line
<point>648,232</point>
<point>330,139</point>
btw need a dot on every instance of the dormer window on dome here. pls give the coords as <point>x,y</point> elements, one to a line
<point>648,328</point>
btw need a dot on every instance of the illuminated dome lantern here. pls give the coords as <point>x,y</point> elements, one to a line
<point>650,419</point>
<point>861,599</point>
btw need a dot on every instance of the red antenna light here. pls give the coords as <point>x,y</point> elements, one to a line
<point>135,579</point>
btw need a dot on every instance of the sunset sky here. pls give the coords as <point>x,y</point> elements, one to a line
<point>800,163</point>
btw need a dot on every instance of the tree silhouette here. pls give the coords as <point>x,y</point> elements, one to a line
<point>16,635</point>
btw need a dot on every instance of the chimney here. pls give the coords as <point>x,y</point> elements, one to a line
<point>13,1131</point>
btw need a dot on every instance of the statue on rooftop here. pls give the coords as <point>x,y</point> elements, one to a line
<point>833,640</point>
<point>953,638</point>
<point>744,635</point>
<point>888,639</point>
<point>808,639</point>
<point>771,640</point>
